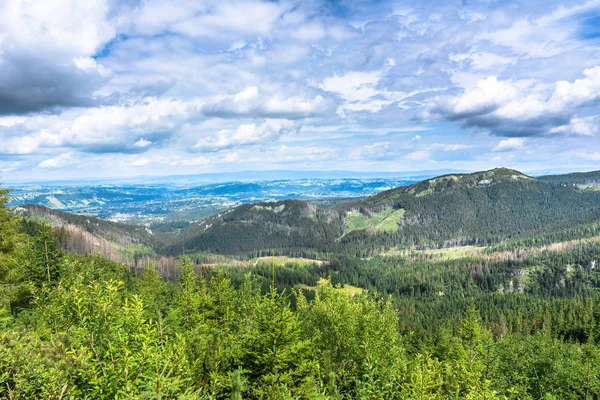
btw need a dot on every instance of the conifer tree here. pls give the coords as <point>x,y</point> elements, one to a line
<point>9,236</point>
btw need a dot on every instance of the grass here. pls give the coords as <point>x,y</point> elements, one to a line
<point>347,289</point>
<point>590,187</point>
<point>385,221</point>
<point>135,248</point>
<point>446,254</point>
<point>281,261</point>
<point>454,253</point>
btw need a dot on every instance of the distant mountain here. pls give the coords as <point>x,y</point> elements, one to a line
<point>176,202</point>
<point>242,176</point>
<point>577,178</point>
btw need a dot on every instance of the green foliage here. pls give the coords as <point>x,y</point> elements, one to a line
<point>515,324</point>
<point>10,237</point>
<point>385,221</point>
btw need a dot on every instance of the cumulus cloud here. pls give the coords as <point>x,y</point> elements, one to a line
<point>140,162</point>
<point>250,103</point>
<point>56,162</point>
<point>247,134</point>
<point>103,129</point>
<point>587,126</point>
<point>511,144</point>
<point>142,143</point>
<point>523,108</point>
<point>163,81</point>
<point>46,56</point>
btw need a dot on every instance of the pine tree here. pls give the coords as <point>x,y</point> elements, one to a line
<point>10,236</point>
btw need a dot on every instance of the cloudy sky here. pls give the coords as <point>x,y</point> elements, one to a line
<point>115,88</point>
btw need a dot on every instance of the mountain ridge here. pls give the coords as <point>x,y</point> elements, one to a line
<point>453,209</point>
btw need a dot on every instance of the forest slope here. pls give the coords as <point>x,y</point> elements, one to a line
<point>486,207</point>
<point>480,208</point>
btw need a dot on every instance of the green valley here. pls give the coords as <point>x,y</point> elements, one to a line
<point>482,285</point>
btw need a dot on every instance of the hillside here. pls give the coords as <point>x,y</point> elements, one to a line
<point>133,245</point>
<point>482,207</point>
<point>583,180</point>
<point>353,327</point>
<point>115,232</point>
<point>289,224</point>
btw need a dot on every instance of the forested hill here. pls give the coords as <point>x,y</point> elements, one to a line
<point>451,183</point>
<point>578,178</point>
<point>271,225</point>
<point>480,208</point>
<point>483,207</point>
<point>122,234</point>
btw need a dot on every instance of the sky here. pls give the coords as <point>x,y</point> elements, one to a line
<point>119,88</point>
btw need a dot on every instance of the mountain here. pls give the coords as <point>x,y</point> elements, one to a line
<point>585,180</point>
<point>152,204</point>
<point>241,176</point>
<point>133,245</point>
<point>262,226</point>
<point>115,232</point>
<point>482,207</point>
<point>455,209</point>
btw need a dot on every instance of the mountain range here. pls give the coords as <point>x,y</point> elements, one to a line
<point>454,209</point>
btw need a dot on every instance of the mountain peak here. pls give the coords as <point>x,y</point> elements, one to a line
<point>476,179</point>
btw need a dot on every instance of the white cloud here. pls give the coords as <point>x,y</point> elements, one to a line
<point>283,154</point>
<point>420,155</point>
<point>483,60</point>
<point>353,86</point>
<point>152,79</point>
<point>310,32</point>
<point>8,166</point>
<point>247,134</point>
<point>142,143</point>
<point>141,162</point>
<point>57,162</point>
<point>579,126</point>
<point>231,18</point>
<point>192,162</point>
<point>546,36</point>
<point>582,155</point>
<point>250,102</point>
<point>451,146</point>
<point>521,108</point>
<point>360,92</point>
<point>489,94</point>
<point>46,53</point>
<point>102,129</point>
<point>511,144</point>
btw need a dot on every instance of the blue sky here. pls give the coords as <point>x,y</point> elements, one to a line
<point>108,88</point>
